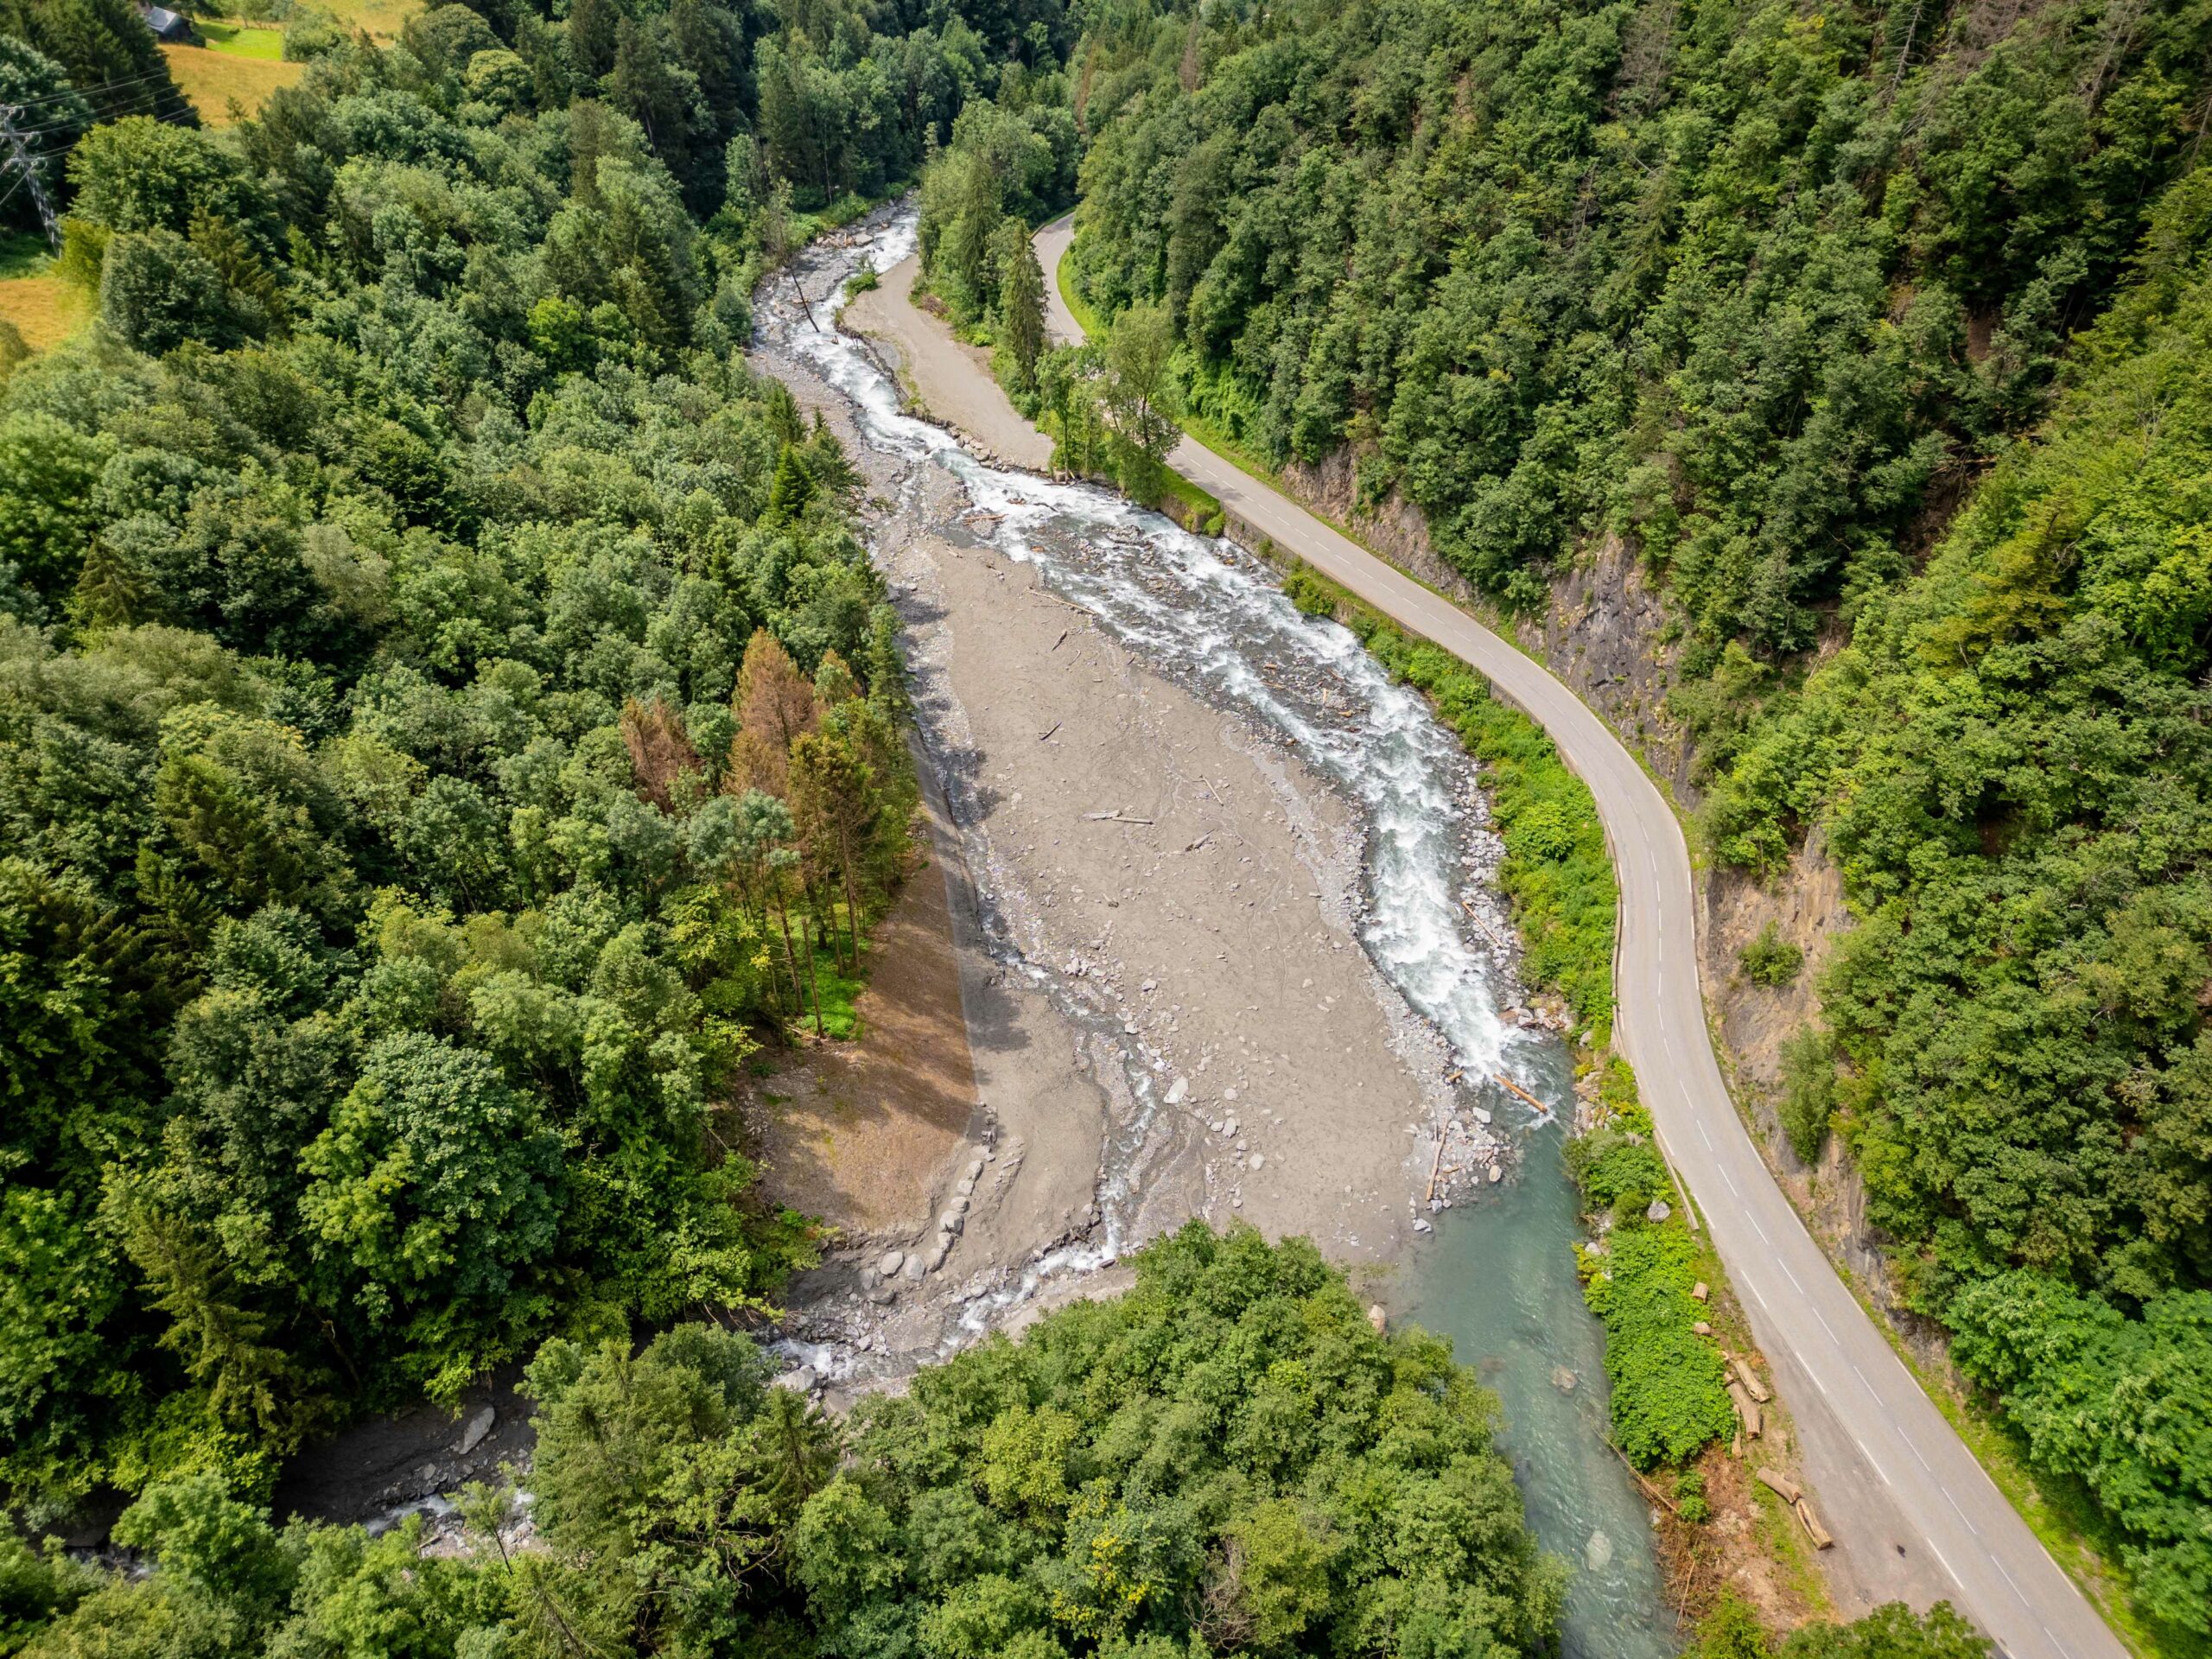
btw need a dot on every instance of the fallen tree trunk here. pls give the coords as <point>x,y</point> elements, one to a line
<point>1753,1386</point>
<point>1789,1490</point>
<point>1745,1408</point>
<point>1813,1529</point>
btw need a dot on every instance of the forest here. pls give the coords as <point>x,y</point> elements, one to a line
<point>1874,332</point>
<point>447,718</point>
<point>1227,1458</point>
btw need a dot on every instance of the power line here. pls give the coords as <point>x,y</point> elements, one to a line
<point>180,113</point>
<point>161,73</point>
<point>116,111</point>
<point>19,157</point>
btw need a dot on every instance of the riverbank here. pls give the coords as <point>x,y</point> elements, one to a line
<point>1672,1323</point>
<point>1917,1519</point>
<point>1168,1009</point>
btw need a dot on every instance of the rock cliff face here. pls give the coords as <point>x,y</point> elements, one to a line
<point>1605,633</point>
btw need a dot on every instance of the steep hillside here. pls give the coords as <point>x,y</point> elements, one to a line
<point>2012,764</point>
<point>1753,283</point>
<point>1704,339</point>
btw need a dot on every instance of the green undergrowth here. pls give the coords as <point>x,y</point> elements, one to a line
<point>838,990</point>
<point>1669,1383</point>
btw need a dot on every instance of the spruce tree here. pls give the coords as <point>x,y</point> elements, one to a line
<point>1021,303</point>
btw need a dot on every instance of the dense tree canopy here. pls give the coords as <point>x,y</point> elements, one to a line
<point>447,719</point>
<point>2010,761</point>
<point>1750,282</point>
<point>1227,1458</point>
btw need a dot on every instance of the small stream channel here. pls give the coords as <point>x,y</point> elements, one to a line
<point>1498,1275</point>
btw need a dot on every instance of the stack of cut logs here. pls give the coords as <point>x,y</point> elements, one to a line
<point>1748,1393</point>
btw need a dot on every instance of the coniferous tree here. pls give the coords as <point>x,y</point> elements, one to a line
<point>594,32</point>
<point>774,707</point>
<point>1021,303</point>
<point>834,801</point>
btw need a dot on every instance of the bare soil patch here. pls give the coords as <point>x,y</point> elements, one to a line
<point>860,1133</point>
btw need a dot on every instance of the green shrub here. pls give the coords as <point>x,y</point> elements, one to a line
<point>1770,959</point>
<point>1669,1394</point>
<point>1690,1501</point>
<point>1731,1630</point>
<point>1807,1090</point>
<point>1312,592</point>
<point>1616,1168</point>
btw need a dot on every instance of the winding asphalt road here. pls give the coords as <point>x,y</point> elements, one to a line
<point>1890,1471</point>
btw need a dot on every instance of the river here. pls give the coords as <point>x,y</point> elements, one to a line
<point>1498,1275</point>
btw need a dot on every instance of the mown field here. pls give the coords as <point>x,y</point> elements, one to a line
<point>216,79</point>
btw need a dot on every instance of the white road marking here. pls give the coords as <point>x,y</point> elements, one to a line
<point>1947,1566</point>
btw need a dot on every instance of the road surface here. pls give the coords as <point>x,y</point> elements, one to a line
<point>1875,1443</point>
